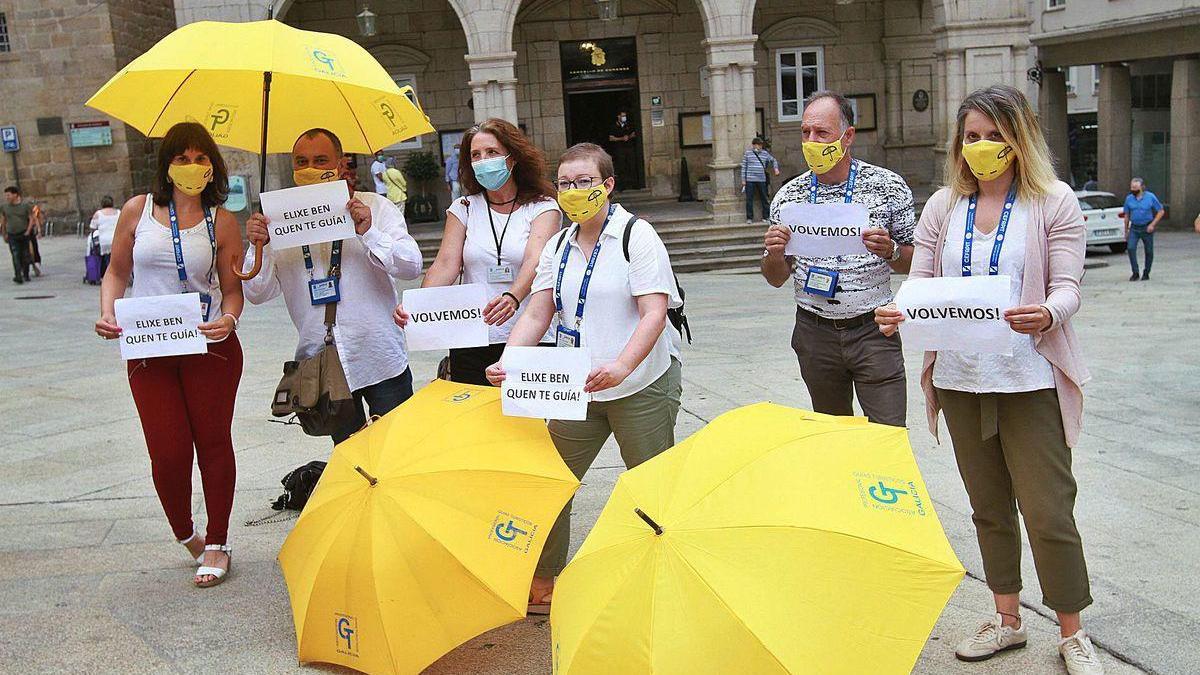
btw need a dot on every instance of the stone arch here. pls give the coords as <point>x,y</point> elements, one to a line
<point>393,56</point>
<point>799,27</point>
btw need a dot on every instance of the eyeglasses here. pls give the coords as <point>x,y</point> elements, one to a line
<point>581,183</point>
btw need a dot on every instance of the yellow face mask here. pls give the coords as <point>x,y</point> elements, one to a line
<point>581,205</point>
<point>191,179</point>
<point>988,159</point>
<point>311,175</point>
<point>821,157</point>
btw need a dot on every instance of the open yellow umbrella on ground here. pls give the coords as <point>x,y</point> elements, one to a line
<point>774,540</point>
<point>423,532</point>
<point>257,86</point>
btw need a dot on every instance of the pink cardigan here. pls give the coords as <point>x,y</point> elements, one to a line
<point>1054,251</point>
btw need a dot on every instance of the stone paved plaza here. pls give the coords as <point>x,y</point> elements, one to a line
<point>91,581</point>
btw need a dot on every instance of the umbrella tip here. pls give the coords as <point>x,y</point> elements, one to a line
<point>370,479</point>
<point>649,521</point>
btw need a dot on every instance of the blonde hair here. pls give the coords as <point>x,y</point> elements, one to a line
<point>1009,110</point>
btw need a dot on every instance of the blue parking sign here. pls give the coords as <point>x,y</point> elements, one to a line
<point>9,136</point>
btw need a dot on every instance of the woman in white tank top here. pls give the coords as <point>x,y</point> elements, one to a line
<point>494,235</point>
<point>185,402</point>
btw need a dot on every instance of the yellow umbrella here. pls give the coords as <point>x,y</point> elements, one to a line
<point>215,73</point>
<point>423,532</point>
<point>774,540</point>
<point>224,75</point>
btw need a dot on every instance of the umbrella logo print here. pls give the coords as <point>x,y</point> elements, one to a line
<point>347,629</point>
<point>512,531</point>
<point>324,62</point>
<point>220,119</point>
<point>888,493</point>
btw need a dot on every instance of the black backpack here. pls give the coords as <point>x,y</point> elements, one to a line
<point>675,315</point>
<point>298,486</point>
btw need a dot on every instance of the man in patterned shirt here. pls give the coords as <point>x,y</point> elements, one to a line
<point>835,339</point>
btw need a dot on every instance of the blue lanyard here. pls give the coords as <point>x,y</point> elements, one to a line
<point>212,240</point>
<point>850,181</point>
<point>969,234</point>
<point>587,274</point>
<point>335,259</point>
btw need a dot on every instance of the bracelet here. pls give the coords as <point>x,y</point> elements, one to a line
<point>236,323</point>
<point>514,298</point>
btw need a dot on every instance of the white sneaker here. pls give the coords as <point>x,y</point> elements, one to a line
<point>992,638</point>
<point>1080,655</point>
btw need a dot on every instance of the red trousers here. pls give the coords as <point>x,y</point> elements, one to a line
<point>186,403</point>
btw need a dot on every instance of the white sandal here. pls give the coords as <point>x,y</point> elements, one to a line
<point>185,542</point>
<point>217,573</point>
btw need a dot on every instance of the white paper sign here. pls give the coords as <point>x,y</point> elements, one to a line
<point>160,325</point>
<point>824,230</point>
<point>963,314</point>
<point>446,317</point>
<point>309,214</point>
<point>545,382</point>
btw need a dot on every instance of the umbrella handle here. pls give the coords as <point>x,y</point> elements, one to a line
<point>247,276</point>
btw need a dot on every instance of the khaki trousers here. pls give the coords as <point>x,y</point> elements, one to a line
<point>644,424</point>
<point>1012,454</point>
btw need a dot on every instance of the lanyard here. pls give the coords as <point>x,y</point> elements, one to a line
<point>335,259</point>
<point>499,240</point>
<point>587,274</point>
<point>969,234</point>
<point>212,240</point>
<point>850,181</point>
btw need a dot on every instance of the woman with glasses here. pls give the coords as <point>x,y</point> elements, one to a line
<point>494,234</point>
<point>620,316</point>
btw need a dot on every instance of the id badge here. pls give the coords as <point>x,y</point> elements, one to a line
<point>500,274</point>
<point>821,281</point>
<point>323,291</point>
<point>567,337</point>
<point>205,304</point>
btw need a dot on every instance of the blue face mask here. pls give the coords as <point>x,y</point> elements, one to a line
<point>492,173</point>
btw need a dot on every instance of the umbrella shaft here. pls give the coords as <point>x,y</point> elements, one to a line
<point>649,521</point>
<point>370,479</point>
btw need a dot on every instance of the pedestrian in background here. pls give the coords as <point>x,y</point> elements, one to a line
<point>35,252</point>
<point>397,184</point>
<point>360,271</point>
<point>348,170</point>
<point>835,340</point>
<point>378,167</point>
<point>1014,418</point>
<point>185,403</point>
<point>17,219</point>
<point>755,182</point>
<point>104,224</point>
<point>1142,213</point>
<point>619,314</point>
<point>494,236</point>
<point>452,180</point>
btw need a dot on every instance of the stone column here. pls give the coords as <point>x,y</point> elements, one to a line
<point>1052,107</point>
<point>731,103</point>
<point>1185,141</point>
<point>1114,157</point>
<point>893,99</point>
<point>493,85</point>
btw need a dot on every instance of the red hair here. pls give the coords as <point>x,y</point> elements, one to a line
<point>529,163</point>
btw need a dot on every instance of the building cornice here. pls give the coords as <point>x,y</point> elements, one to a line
<point>1118,27</point>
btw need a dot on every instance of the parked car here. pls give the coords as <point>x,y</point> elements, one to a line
<point>1103,218</point>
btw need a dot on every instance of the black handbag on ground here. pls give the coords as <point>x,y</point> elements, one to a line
<point>298,486</point>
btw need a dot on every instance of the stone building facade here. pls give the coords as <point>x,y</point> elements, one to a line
<point>1147,97</point>
<point>59,53</point>
<point>700,77</point>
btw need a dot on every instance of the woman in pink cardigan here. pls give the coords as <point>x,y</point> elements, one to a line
<point>1013,419</point>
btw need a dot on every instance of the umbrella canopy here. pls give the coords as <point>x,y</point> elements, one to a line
<point>423,532</point>
<point>213,73</point>
<point>774,540</point>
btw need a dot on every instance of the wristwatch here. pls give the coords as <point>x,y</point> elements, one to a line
<point>895,251</point>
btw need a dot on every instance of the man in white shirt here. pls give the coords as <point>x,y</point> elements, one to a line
<point>378,167</point>
<point>371,348</point>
